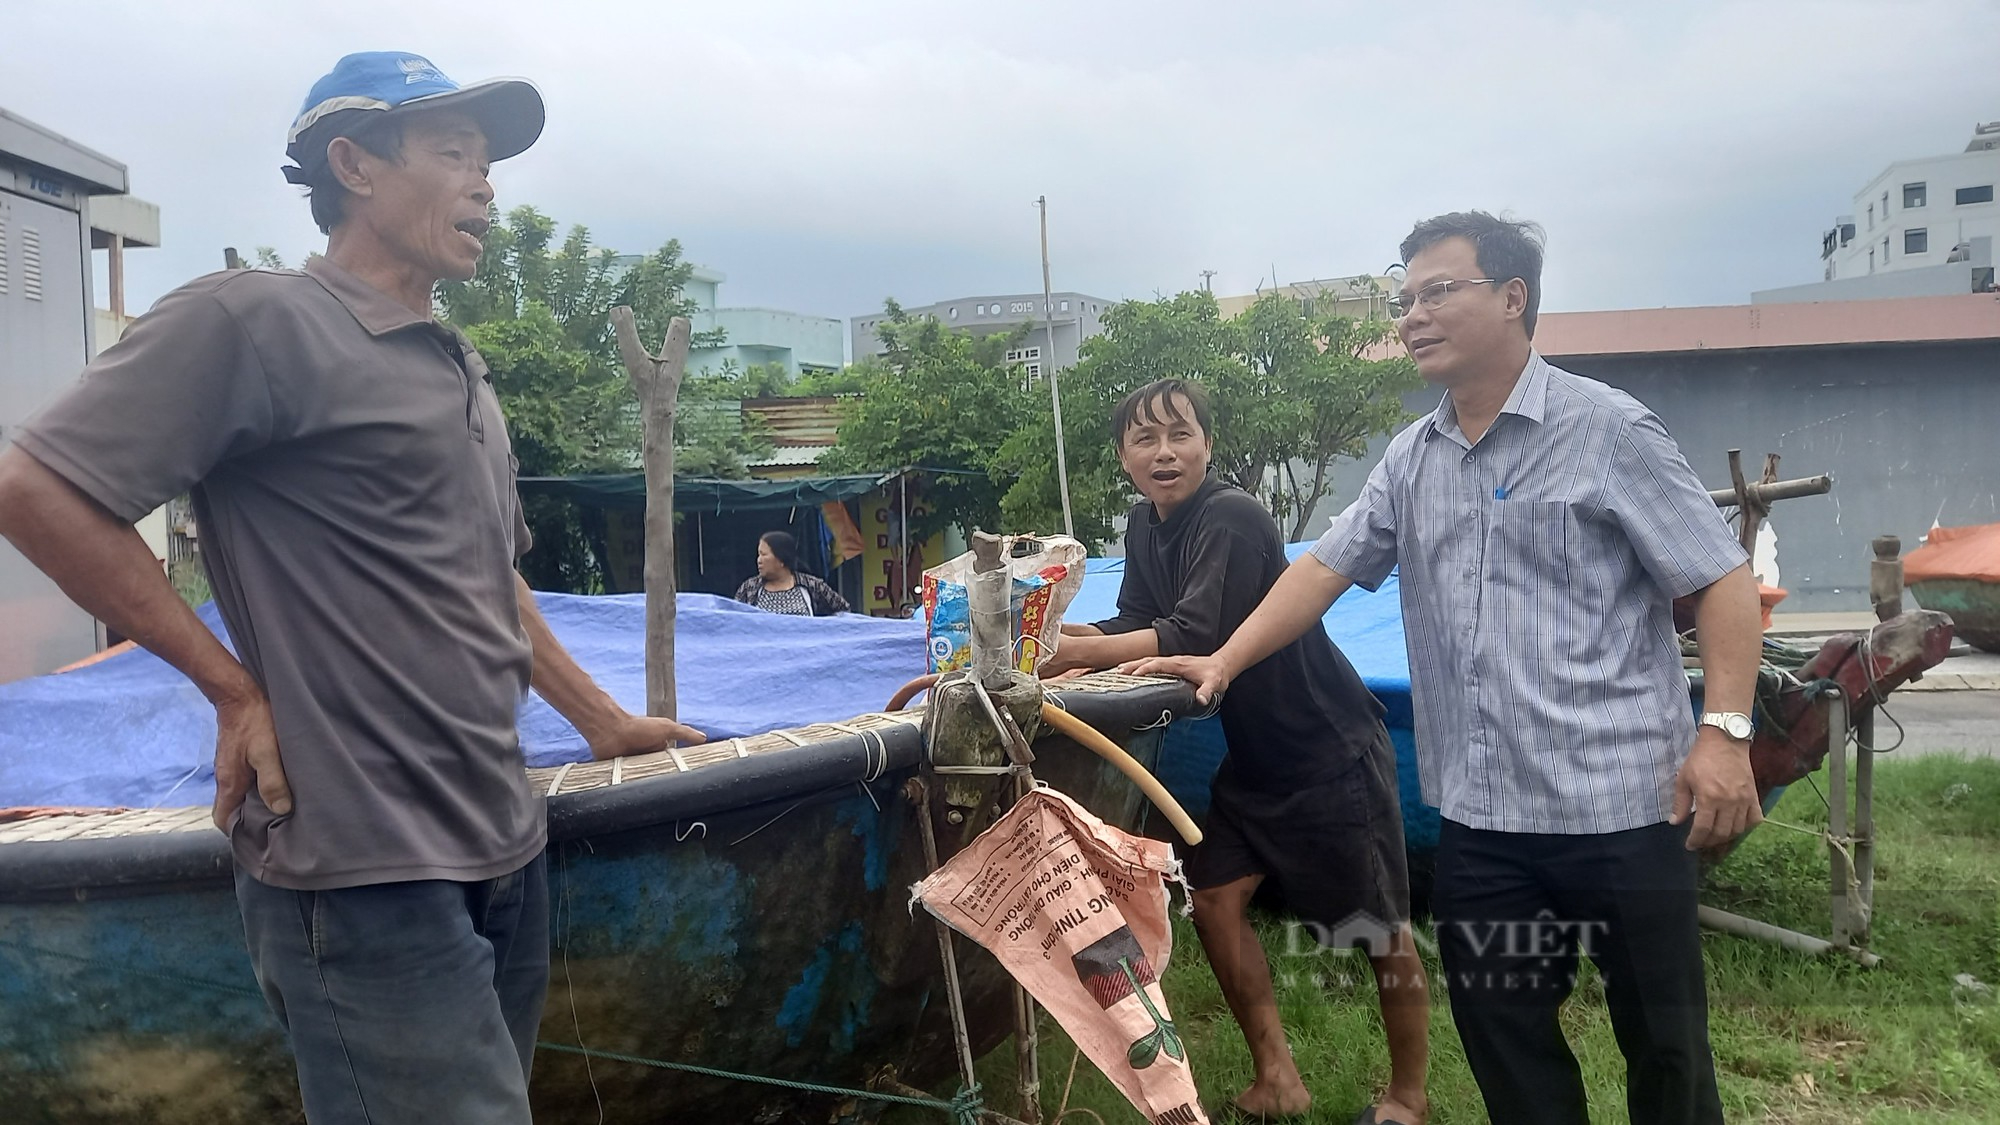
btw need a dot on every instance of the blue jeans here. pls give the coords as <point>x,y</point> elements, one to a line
<point>406,1003</point>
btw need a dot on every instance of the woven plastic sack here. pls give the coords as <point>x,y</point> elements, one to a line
<point>1076,911</point>
<point>1045,575</point>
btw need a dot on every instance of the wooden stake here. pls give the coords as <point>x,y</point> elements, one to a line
<point>657,380</point>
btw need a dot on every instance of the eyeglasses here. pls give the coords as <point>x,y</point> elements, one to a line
<point>1432,296</point>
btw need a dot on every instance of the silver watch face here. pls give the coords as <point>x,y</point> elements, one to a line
<point>1733,724</point>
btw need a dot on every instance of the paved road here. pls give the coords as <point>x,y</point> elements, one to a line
<point>1944,721</point>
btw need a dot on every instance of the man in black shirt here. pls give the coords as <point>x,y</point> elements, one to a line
<point>1306,795</point>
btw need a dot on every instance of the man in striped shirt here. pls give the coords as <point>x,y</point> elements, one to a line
<point>1543,524</point>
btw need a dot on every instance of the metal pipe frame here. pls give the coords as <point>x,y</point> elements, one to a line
<point>1855,866</point>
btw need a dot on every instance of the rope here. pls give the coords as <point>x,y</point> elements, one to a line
<point>556,782</point>
<point>1776,678</point>
<point>1064,1110</point>
<point>1838,844</point>
<point>1879,698</point>
<point>965,1107</point>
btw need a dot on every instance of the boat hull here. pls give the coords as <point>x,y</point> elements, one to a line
<point>1974,606</point>
<point>773,938</point>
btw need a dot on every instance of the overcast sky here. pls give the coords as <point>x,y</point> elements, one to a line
<point>826,155</point>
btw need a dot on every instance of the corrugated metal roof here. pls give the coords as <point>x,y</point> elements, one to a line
<point>788,456</point>
<point>798,421</point>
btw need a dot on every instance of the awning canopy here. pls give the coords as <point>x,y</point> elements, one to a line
<point>699,495</point>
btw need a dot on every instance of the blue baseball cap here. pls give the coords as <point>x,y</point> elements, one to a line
<point>509,110</point>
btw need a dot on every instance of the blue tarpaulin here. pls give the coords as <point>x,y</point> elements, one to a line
<point>1367,627</point>
<point>131,731</point>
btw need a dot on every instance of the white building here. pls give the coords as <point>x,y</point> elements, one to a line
<point>1052,341</point>
<point>753,336</point>
<point>1920,213</point>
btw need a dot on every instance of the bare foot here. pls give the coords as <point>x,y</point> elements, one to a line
<point>1271,1099</point>
<point>1408,1111</point>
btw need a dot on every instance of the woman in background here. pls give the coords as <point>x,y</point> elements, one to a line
<point>780,587</point>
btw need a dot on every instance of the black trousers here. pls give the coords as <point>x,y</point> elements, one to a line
<point>1515,909</point>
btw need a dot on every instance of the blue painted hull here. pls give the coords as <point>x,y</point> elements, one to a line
<point>773,938</point>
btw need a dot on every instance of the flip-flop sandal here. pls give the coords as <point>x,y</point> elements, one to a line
<point>1367,1117</point>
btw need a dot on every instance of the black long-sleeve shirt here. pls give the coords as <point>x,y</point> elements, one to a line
<point>1302,714</point>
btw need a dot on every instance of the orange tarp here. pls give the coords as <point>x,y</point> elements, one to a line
<point>1956,552</point>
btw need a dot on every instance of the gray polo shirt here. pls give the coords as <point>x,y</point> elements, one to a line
<point>354,487</point>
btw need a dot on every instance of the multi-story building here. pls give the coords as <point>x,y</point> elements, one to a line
<point>753,336</point>
<point>1052,341</point>
<point>1922,227</point>
<point>1362,297</point>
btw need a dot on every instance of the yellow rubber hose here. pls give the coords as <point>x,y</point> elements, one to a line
<point>1076,729</point>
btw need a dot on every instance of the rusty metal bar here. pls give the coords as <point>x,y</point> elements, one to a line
<point>1776,490</point>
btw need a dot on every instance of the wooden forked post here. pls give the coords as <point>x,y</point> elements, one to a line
<point>1753,501</point>
<point>657,381</point>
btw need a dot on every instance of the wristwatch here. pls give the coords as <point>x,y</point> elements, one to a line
<point>1735,724</point>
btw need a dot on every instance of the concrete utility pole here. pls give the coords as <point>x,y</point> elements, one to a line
<point>1205,276</point>
<point>1049,369</point>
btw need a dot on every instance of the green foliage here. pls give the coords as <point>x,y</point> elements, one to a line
<point>190,581</point>
<point>825,384</point>
<point>714,438</point>
<point>1310,397</point>
<point>539,312</point>
<point>759,380</point>
<point>937,399</point>
<point>1293,393</point>
<point>569,410</point>
<point>1175,337</point>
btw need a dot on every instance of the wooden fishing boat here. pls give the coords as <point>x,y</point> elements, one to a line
<point>1973,603</point>
<point>1957,571</point>
<point>742,905</point>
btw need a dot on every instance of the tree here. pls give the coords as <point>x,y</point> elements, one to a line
<point>1292,394</point>
<point>941,400</point>
<point>839,381</point>
<point>539,313</point>
<point>1314,397</point>
<point>714,437</point>
<point>771,380</point>
<point>1177,337</point>
<point>759,380</point>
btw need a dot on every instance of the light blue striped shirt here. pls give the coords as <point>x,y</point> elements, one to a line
<point>1538,568</point>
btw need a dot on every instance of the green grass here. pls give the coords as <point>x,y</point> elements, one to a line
<point>1797,1040</point>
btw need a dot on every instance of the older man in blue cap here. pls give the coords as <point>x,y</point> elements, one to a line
<point>351,474</point>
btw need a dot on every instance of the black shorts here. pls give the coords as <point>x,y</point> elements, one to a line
<point>1334,849</point>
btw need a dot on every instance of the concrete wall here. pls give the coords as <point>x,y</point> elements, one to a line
<point>1905,429</point>
<point>770,336</point>
<point>1971,276</point>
